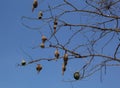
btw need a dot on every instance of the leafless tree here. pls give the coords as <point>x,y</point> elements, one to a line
<point>87,30</point>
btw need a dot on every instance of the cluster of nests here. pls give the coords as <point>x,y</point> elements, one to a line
<point>39,67</point>
<point>35,5</point>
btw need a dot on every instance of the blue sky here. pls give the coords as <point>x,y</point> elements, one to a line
<point>13,37</point>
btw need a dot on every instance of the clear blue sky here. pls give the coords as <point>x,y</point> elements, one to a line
<point>13,37</point>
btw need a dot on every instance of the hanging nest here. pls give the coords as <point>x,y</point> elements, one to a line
<point>57,54</point>
<point>44,38</point>
<point>65,57</point>
<point>40,15</point>
<point>38,68</point>
<point>76,75</point>
<point>35,4</point>
<point>23,62</point>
